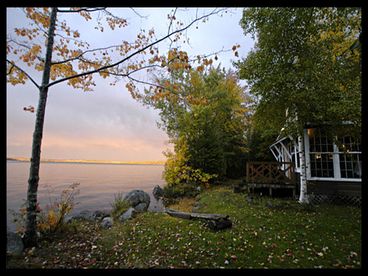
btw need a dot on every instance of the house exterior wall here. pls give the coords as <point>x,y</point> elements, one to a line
<point>334,188</point>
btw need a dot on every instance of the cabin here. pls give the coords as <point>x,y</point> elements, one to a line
<point>315,166</point>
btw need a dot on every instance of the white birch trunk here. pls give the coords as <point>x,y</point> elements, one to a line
<point>303,198</point>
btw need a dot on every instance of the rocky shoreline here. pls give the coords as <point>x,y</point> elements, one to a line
<point>138,201</point>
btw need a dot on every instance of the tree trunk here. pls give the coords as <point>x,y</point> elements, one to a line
<point>30,237</point>
<point>303,197</point>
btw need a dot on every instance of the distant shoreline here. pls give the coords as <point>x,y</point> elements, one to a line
<point>22,159</point>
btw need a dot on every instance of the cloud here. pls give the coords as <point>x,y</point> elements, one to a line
<point>106,123</point>
<point>118,149</point>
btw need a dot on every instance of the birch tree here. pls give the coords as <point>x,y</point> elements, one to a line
<point>63,57</point>
<point>306,61</point>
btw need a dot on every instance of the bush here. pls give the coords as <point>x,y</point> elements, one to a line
<point>119,206</point>
<point>184,181</point>
<point>181,190</point>
<point>177,171</point>
<point>51,219</point>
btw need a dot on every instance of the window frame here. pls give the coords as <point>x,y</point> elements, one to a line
<point>335,160</point>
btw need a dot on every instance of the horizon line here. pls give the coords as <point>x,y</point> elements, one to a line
<point>86,161</point>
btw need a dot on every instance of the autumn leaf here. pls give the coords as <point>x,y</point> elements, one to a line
<point>29,108</point>
<point>104,74</point>
<point>200,68</point>
<point>76,34</point>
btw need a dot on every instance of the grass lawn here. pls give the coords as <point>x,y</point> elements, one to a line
<point>266,233</point>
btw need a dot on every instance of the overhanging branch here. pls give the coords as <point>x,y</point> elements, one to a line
<point>215,11</point>
<point>24,72</point>
<point>82,9</point>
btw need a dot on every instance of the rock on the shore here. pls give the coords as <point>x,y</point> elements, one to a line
<point>106,222</point>
<point>130,213</point>
<point>138,200</point>
<point>101,214</point>
<point>157,192</point>
<point>141,207</point>
<point>97,215</point>
<point>85,215</point>
<point>136,197</point>
<point>14,244</point>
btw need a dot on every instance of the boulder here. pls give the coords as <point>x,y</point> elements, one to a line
<point>141,207</point>
<point>130,213</point>
<point>14,244</point>
<point>136,197</point>
<point>85,215</point>
<point>157,192</point>
<point>97,215</point>
<point>106,222</point>
<point>100,214</point>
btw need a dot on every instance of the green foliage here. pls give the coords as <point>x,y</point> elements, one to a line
<point>119,206</point>
<point>204,116</point>
<point>302,62</point>
<point>258,141</point>
<point>51,218</point>
<point>183,180</point>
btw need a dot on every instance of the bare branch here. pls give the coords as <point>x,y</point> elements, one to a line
<point>82,9</point>
<point>144,82</point>
<point>141,16</point>
<point>24,72</point>
<point>215,11</point>
<point>171,21</point>
<point>134,71</point>
<point>144,67</point>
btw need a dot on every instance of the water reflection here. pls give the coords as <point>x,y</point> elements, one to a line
<point>98,183</point>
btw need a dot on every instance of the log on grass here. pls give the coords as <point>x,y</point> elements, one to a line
<point>214,221</point>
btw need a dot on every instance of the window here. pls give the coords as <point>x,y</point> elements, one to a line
<point>321,157</point>
<point>350,157</point>
<point>325,156</point>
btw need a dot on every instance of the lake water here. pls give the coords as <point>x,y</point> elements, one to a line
<point>99,183</point>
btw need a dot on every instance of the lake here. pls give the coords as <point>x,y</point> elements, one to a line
<point>99,183</point>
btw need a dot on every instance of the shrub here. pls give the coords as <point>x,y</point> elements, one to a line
<point>119,206</point>
<point>182,180</point>
<point>177,171</point>
<point>51,218</point>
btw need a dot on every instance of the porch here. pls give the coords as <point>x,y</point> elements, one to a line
<point>270,175</point>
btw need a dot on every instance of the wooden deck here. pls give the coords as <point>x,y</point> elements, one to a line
<point>271,175</point>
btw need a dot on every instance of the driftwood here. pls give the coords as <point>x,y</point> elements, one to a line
<point>214,221</point>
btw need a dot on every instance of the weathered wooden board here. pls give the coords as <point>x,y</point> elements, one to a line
<point>214,221</point>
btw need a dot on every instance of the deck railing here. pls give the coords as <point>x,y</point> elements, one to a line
<point>280,173</point>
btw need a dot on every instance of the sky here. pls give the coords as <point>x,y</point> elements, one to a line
<point>107,124</point>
